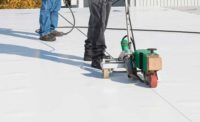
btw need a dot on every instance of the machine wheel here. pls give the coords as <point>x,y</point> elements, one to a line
<point>153,80</point>
<point>106,73</point>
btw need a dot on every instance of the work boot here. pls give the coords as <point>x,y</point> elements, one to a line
<point>88,57</point>
<point>56,33</point>
<point>106,56</point>
<point>48,37</point>
<point>96,62</point>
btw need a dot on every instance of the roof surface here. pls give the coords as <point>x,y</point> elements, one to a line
<point>50,82</point>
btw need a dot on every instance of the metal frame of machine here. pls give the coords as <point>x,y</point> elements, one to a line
<point>145,61</point>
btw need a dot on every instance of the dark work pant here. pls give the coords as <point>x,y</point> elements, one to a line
<point>99,13</point>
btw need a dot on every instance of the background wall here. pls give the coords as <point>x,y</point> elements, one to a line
<point>166,3</point>
<point>84,3</point>
<point>157,3</point>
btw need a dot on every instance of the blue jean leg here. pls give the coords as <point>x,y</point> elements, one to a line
<point>45,17</point>
<point>54,14</point>
<point>49,16</point>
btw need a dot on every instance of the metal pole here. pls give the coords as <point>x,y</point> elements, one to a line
<point>130,35</point>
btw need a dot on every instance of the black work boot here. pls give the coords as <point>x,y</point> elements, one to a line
<point>57,33</point>
<point>106,56</point>
<point>88,55</point>
<point>96,62</point>
<point>48,37</point>
<point>88,50</point>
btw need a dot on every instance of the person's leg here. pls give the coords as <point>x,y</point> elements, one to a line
<point>54,13</point>
<point>104,13</point>
<point>98,44</point>
<point>45,21</point>
<point>54,17</point>
<point>45,17</point>
<point>108,8</point>
<point>91,33</point>
<point>88,50</point>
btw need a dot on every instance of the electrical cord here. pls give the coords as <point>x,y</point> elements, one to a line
<point>73,24</point>
<point>74,27</point>
<point>151,30</point>
<point>124,29</point>
<point>74,20</point>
